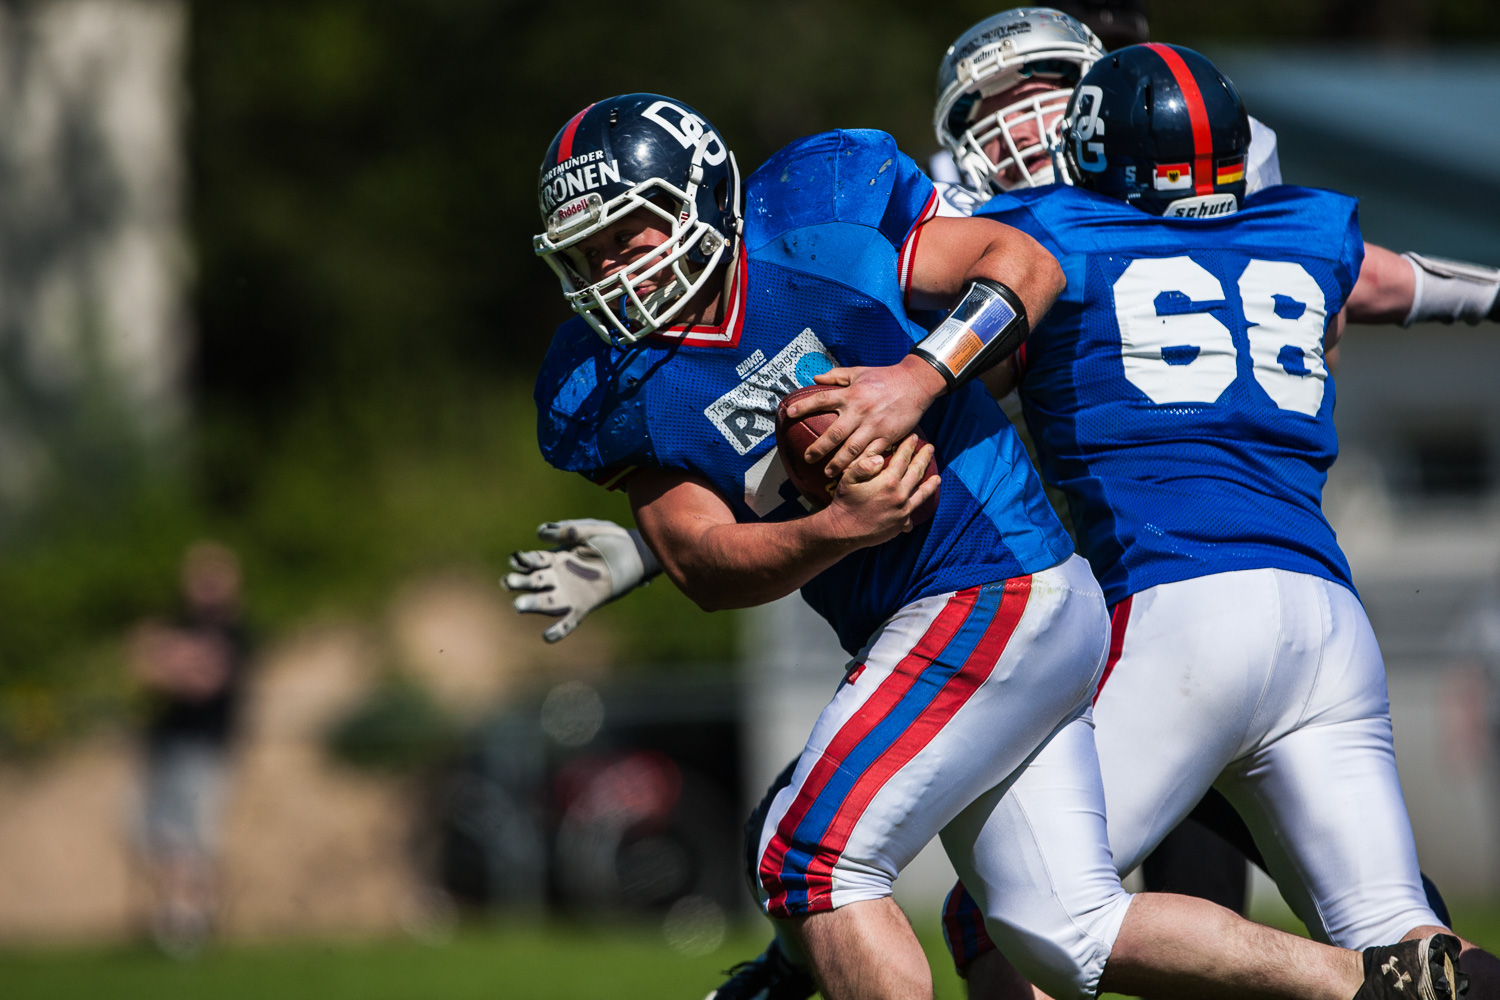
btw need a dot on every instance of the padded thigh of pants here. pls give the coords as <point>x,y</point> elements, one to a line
<point>925,725</point>
<point>1270,685</point>
<point>1035,854</point>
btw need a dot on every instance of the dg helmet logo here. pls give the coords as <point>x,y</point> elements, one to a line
<point>689,131</point>
<point>1090,155</point>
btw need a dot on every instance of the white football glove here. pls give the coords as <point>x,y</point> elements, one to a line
<point>595,562</point>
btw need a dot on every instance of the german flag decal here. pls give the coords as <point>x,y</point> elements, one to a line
<point>1230,171</point>
<point>1174,176</point>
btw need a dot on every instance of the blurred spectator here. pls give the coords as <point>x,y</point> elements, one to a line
<point>193,668</point>
<point>1476,638</point>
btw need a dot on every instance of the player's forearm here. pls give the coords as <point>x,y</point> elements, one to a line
<point>1002,379</point>
<point>742,565</point>
<point>1384,290</point>
<point>1419,288</point>
<point>953,252</point>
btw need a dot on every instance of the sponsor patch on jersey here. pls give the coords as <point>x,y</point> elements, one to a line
<point>1174,177</point>
<point>746,414</point>
<point>1230,171</point>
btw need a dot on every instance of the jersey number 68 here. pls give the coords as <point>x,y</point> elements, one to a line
<point>1182,356</point>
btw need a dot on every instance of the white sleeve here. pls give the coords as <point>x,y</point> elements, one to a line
<point>957,201</point>
<point>1262,167</point>
<point>941,168</point>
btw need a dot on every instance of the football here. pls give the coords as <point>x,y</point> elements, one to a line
<point>793,437</point>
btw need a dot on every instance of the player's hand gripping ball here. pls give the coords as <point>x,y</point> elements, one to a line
<point>793,437</point>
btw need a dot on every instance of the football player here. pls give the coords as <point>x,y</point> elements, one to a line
<point>1180,396</point>
<point>978,638</point>
<point>1002,85</point>
<point>596,561</point>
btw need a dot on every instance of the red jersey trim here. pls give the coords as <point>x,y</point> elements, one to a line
<point>1203,140</point>
<point>908,255</point>
<point>1021,361</point>
<point>727,333</point>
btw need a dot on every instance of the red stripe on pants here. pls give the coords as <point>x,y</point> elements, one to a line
<point>1118,619</point>
<point>884,698</point>
<point>954,693</point>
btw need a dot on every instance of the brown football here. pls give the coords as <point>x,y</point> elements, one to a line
<point>794,437</point>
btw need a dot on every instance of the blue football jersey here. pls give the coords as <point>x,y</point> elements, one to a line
<point>829,224</point>
<point>1177,391</point>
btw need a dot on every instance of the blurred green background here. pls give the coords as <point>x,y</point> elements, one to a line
<point>367,315</point>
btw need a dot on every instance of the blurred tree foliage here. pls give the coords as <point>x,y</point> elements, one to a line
<point>368,311</point>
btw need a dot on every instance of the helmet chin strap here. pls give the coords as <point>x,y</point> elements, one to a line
<point>1042,174</point>
<point>672,290</point>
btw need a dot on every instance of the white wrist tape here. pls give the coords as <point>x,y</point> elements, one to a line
<point>1448,290</point>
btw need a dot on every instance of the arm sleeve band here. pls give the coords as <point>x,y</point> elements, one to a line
<point>985,328</point>
<point>649,566</point>
<point>1448,290</point>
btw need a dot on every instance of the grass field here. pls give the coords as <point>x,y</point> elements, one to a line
<point>503,962</point>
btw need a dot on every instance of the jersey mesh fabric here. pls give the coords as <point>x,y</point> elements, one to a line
<point>819,293</point>
<point>1174,490</point>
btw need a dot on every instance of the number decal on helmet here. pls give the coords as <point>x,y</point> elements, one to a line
<point>1090,155</point>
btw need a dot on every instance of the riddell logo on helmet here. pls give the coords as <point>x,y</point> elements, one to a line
<point>571,209</point>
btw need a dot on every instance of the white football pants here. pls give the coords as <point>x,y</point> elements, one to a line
<point>1270,685</point>
<point>970,712</point>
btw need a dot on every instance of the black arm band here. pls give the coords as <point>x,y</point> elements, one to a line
<point>986,327</point>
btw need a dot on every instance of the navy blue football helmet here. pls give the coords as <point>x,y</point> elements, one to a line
<point>638,152</point>
<point>1158,127</point>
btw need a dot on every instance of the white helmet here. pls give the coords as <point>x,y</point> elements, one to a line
<point>993,56</point>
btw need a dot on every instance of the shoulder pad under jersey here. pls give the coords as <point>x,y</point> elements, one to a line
<point>590,399</point>
<point>855,176</point>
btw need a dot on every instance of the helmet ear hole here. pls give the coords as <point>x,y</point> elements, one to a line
<point>721,194</point>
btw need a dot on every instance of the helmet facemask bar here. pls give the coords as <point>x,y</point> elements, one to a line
<point>1031,161</point>
<point>614,305</point>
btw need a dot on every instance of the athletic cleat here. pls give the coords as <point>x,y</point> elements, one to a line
<point>768,976</point>
<point>1425,969</point>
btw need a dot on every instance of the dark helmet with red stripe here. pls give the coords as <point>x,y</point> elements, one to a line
<point>1159,127</point>
<point>638,152</point>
